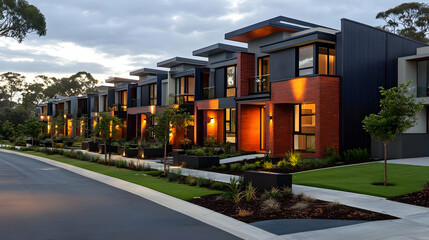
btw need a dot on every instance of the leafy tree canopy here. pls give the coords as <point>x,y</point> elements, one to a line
<point>410,20</point>
<point>19,18</point>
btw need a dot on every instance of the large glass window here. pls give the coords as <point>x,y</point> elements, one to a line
<point>304,127</point>
<point>423,78</point>
<point>152,94</point>
<point>263,79</point>
<point>305,60</point>
<point>208,84</point>
<point>230,125</point>
<point>231,81</point>
<point>326,60</point>
<point>185,89</point>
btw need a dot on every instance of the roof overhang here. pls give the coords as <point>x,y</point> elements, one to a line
<point>180,60</point>
<point>299,40</point>
<point>267,27</point>
<point>118,79</point>
<point>217,48</point>
<point>147,71</point>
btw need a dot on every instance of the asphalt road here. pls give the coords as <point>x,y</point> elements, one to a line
<point>39,201</point>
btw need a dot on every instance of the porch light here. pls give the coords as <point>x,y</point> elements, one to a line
<point>65,116</point>
<point>42,117</point>
<point>212,120</point>
<point>271,117</point>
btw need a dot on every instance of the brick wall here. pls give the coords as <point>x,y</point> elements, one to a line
<point>249,127</point>
<point>283,128</point>
<point>245,70</point>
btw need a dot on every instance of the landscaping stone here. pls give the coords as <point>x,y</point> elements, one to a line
<point>267,180</point>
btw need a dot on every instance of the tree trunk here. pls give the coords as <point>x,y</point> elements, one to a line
<point>385,163</point>
<point>165,156</point>
<point>105,152</point>
<point>110,150</point>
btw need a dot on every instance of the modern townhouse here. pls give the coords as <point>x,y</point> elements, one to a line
<point>297,86</point>
<point>304,87</point>
<point>215,106</point>
<point>415,141</point>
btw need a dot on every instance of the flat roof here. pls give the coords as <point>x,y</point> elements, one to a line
<point>147,71</point>
<point>268,27</point>
<point>118,79</point>
<point>181,60</point>
<point>217,48</point>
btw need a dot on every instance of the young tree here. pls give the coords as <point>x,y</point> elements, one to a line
<point>106,129</point>
<point>18,18</point>
<point>172,117</point>
<point>407,19</point>
<point>57,123</point>
<point>7,129</point>
<point>32,129</point>
<point>397,114</point>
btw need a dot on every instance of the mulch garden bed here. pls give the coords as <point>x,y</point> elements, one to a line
<point>307,208</point>
<point>420,198</point>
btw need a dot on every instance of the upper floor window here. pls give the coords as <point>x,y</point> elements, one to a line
<point>208,84</point>
<point>152,94</point>
<point>305,60</point>
<point>261,82</point>
<point>326,62</point>
<point>231,81</point>
<point>185,89</point>
<point>423,78</point>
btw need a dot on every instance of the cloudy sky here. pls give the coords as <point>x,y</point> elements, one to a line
<point>112,38</point>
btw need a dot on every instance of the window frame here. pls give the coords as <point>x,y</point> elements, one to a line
<point>300,126</point>
<point>230,123</point>
<point>152,94</point>
<point>235,81</point>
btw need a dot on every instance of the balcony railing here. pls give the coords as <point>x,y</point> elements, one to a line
<point>259,84</point>
<point>184,98</point>
<point>119,107</point>
<point>209,93</point>
<point>133,103</point>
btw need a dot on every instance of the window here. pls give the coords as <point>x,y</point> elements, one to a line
<point>304,127</point>
<point>422,78</point>
<point>305,60</point>
<point>230,123</point>
<point>208,84</point>
<point>152,94</point>
<point>263,78</point>
<point>326,58</point>
<point>185,89</point>
<point>231,81</point>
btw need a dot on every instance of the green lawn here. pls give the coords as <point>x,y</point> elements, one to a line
<point>181,191</point>
<point>359,178</point>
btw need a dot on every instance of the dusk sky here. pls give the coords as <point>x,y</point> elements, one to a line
<point>112,38</point>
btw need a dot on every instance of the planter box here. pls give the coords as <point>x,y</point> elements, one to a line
<point>85,146</point>
<point>189,161</point>
<point>93,147</point>
<point>131,153</point>
<point>176,153</point>
<point>266,180</point>
<point>113,149</point>
<point>120,151</point>
<point>151,152</point>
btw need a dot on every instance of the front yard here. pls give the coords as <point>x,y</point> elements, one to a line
<point>359,178</point>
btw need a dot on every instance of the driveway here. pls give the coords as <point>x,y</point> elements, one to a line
<point>41,201</point>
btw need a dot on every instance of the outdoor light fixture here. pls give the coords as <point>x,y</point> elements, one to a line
<point>211,120</point>
<point>42,117</point>
<point>64,116</point>
<point>144,120</point>
<point>271,117</point>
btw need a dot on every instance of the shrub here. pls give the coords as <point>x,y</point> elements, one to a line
<point>356,154</point>
<point>274,193</point>
<point>244,213</point>
<point>270,205</point>
<point>300,206</point>
<point>173,177</point>
<point>226,146</point>
<point>267,157</point>
<point>248,166</point>
<point>217,185</point>
<point>202,182</point>
<point>191,180</point>
<point>268,165</point>
<point>210,141</point>
<point>333,205</point>
<point>286,191</point>
<point>200,152</point>
<point>250,192</point>
<point>223,167</point>
<point>237,197</point>
<point>293,158</point>
<point>308,198</point>
<point>282,164</point>
<point>234,167</point>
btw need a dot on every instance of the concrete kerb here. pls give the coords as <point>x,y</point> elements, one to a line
<point>205,215</point>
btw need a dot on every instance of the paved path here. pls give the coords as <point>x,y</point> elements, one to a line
<point>41,201</point>
<point>241,158</point>
<point>422,161</point>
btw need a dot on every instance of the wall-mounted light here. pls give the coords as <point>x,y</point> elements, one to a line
<point>42,117</point>
<point>144,120</point>
<point>211,120</point>
<point>65,116</point>
<point>271,117</point>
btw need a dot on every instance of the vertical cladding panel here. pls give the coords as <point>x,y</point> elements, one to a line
<point>129,94</point>
<point>159,78</point>
<point>145,95</point>
<point>245,70</point>
<point>110,98</point>
<point>368,61</point>
<point>198,87</point>
<point>139,96</point>
<point>282,65</point>
<point>220,82</point>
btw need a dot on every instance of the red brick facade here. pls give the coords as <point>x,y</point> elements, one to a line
<point>245,70</point>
